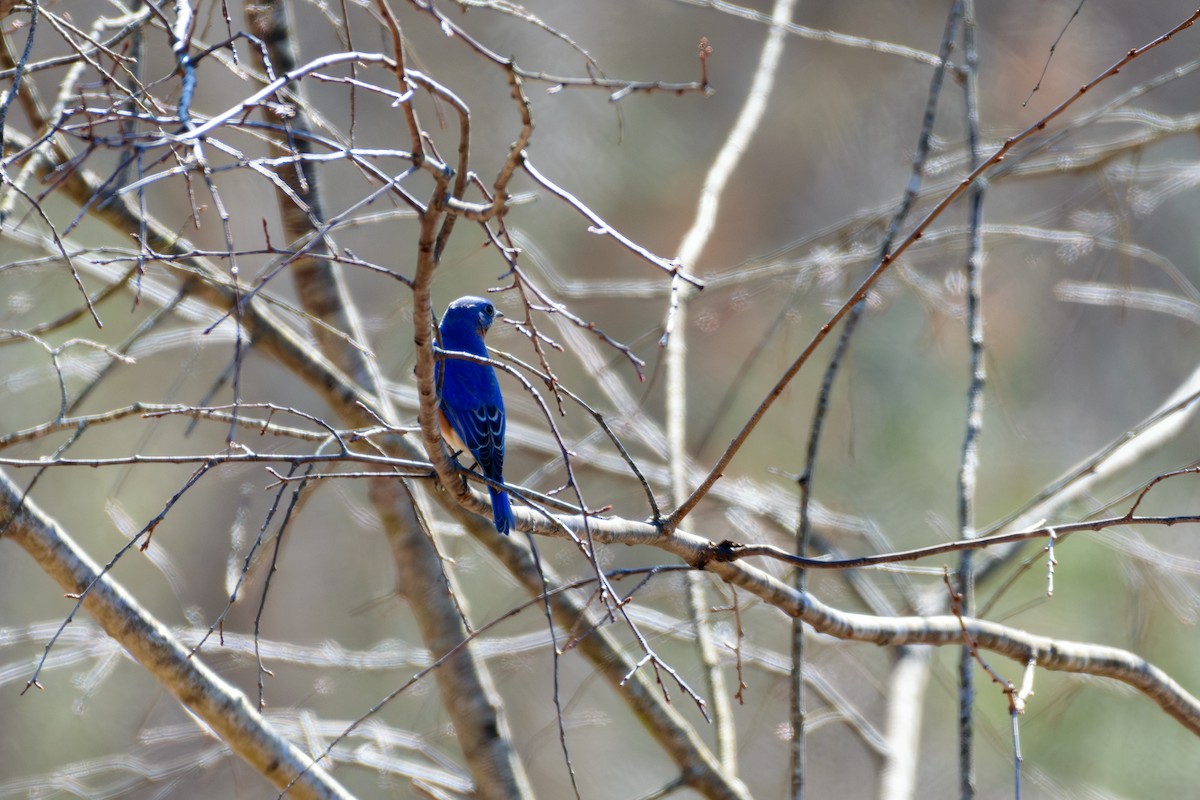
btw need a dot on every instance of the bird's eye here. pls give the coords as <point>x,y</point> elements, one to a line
<point>489,310</point>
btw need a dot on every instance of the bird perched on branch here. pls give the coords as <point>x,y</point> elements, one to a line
<point>471,408</point>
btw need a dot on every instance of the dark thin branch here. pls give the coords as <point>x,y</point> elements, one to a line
<point>968,472</point>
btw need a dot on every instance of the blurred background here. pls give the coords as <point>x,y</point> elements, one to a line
<point>1090,307</point>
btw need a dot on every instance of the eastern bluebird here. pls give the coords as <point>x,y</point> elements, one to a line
<point>471,410</point>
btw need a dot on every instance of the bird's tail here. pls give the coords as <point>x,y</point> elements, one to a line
<point>501,510</point>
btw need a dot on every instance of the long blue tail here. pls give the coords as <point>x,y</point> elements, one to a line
<point>501,510</point>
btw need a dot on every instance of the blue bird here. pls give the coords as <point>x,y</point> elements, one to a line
<point>471,408</point>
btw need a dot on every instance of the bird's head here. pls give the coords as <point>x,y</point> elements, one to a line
<point>470,313</point>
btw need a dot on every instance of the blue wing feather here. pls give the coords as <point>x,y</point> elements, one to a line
<point>472,404</point>
<point>481,429</point>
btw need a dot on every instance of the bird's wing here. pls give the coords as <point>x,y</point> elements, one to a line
<point>481,429</point>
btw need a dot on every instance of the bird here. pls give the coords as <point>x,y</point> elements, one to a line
<point>470,406</point>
